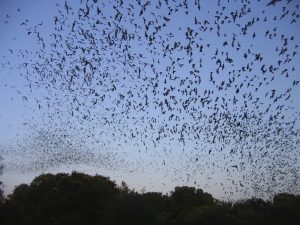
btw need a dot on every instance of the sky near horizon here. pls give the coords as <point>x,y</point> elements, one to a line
<point>157,94</point>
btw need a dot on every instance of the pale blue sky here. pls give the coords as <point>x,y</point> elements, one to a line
<point>157,168</point>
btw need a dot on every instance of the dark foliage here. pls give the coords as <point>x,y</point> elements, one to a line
<point>64,199</point>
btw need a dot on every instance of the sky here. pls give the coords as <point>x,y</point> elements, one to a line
<point>181,100</point>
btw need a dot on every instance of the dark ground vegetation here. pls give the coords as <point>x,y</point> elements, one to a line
<point>79,199</point>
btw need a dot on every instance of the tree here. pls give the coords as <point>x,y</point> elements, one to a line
<point>1,184</point>
<point>130,209</point>
<point>1,194</point>
<point>190,197</point>
<point>285,209</point>
<point>63,199</point>
<point>80,199</point>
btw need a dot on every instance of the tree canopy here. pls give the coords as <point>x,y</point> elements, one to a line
<point>77,198</point>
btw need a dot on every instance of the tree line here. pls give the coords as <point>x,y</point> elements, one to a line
<point>80,199</point>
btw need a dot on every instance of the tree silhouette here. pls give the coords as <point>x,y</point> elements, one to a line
<point>77,198</point>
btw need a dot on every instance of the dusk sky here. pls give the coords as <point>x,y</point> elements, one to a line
<point>156,93</point>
